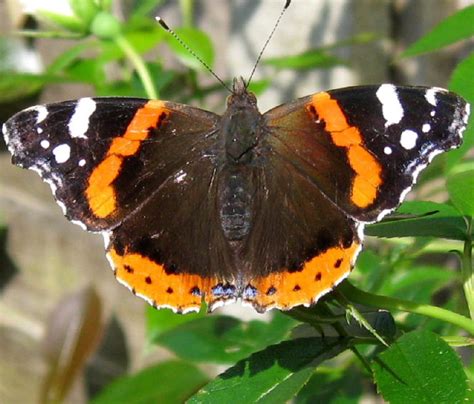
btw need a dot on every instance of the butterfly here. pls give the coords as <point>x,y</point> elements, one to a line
<point>266,208</point>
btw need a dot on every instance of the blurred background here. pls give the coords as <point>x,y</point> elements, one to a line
<point>56,287</point>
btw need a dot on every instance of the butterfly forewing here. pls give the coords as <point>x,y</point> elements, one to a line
<point>363,147</point>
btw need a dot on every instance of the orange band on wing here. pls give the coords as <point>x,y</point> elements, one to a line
<point>365,165</point>
<point>100,192</point>
<point>149,280</point>
<point>319,275</point>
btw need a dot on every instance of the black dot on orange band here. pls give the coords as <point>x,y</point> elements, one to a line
<point>296,267</point>
<point>296,288</point>
<point>148,280</point>
<point>338,263</point>
<point>312,110</point>
<point>195,291</point>
<point>271,291</point>
<point>171,269</point>
<point>128,268</point>
<point>169,290</point>
<point>318,277</point>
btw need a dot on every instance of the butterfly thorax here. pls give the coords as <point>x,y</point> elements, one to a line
<point>241,125</point>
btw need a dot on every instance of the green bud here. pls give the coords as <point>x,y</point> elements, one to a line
<point>105,26</point>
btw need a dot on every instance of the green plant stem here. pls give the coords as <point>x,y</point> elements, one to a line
<point>187,10</point>
<point>139,65</point>
<point>390,303</point>
<point>467,270</point>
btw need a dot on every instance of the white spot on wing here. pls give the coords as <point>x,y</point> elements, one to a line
<point>42,113</point>
<point>391,108</point>
<point>79,123</point>
<point>39,130</point>
<point>45,144</point>
<point>62,153</point>
<point>426,128</point>
<point>430,95</point>
<point>180,176</point>
<point>81,163</point>
<point>387,150</point>
<point>416,172</point>
<point>408,139</point>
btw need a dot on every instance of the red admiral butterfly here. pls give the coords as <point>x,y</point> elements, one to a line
<point>269,208</point>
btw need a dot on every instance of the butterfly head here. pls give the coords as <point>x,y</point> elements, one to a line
<point>241,98</point>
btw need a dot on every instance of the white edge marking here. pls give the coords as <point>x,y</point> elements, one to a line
<point>6,138</point>
<point>79,123</point>
<point>110,261</point>
<point>80,224</point>
<point>106,235</point>
<point>62,206</point>
<point>404,193</point>
<point>221,303</point>
<point>468,112</point>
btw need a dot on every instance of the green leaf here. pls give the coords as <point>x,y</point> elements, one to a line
<point>273,375</point>
<point>418,283</point>
<point>67,22</point>
<point>223,339</point>
<point>452,29</point>
<point>461,191</point>
<point>334,387</point>
<point>160,321</point>
<point>259,86</point>
<point>420,368</point>
<point>461,82</point>
<point>144,7</point>
<point>307,60</point>
<point>87,70</point>
<point>422,219</point>
<point>141,40</point>
<point>168,382</point>
<point>84,9</point>
<point>196,40</point>
<point>18,85</point>
<point>66,58</point>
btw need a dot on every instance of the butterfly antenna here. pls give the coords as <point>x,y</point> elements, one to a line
<point>191,52</point>
<point>287,4</point>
